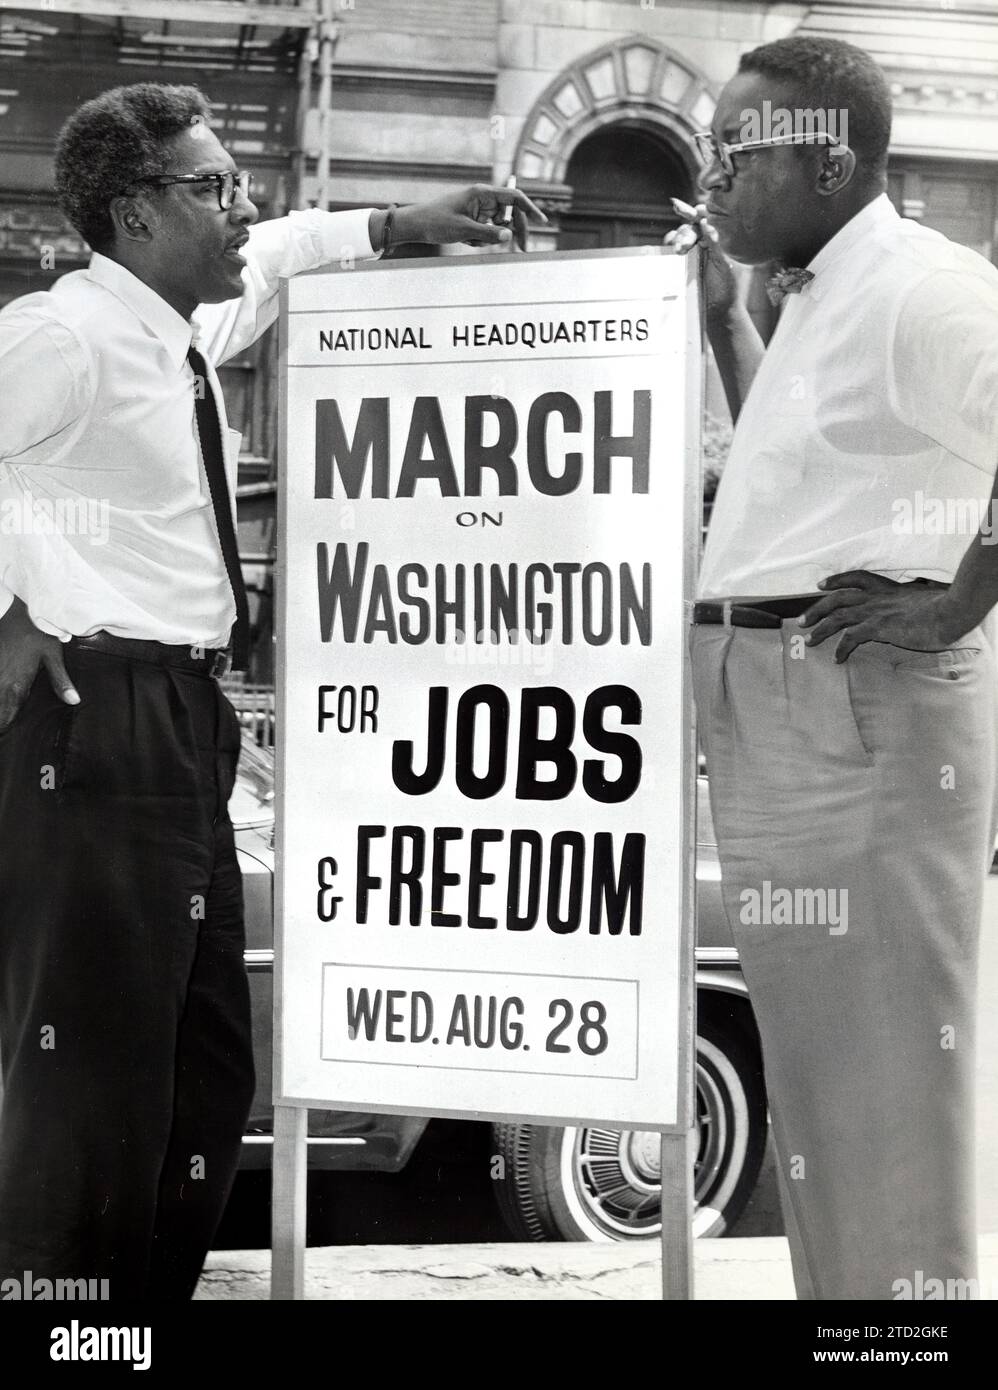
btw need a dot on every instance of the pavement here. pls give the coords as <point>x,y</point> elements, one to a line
<point>750,1268</point>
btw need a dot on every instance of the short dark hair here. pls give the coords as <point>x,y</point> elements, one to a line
<point>830,74</point>
<point>114,141</point>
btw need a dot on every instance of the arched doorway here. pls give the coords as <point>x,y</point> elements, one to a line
<point>609,141</point>
<point>621,179</point>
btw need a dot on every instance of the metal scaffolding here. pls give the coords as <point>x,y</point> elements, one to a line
<point>212,35</point>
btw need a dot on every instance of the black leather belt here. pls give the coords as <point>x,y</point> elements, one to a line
<point>212,661</point>
<point>768,612</point>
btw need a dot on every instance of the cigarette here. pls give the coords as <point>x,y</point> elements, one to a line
<point>683,209</point>
<point>507,215</point>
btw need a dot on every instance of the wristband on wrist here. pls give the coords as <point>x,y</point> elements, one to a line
<point>386,231</point>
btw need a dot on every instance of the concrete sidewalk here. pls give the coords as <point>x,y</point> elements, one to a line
<point>734,1269</point>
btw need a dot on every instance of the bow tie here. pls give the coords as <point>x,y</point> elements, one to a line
<point>789,280</point>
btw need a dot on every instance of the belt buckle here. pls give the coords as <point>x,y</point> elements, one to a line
<point>220,663</point>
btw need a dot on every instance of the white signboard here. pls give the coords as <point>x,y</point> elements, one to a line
<point>480,894</point>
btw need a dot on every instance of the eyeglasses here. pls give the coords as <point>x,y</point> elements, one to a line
<point>225,184</point>
<point>711,149</point>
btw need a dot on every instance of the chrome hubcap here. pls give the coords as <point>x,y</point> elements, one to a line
<point>614,1179</point>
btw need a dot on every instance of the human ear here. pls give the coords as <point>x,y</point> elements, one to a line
<point>838,164</point>
<point>131,217</point>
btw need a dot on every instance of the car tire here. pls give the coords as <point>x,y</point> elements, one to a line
<point>600,1184</point>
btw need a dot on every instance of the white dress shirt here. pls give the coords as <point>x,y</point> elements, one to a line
<point>106,519</point>
<point>876,400</point>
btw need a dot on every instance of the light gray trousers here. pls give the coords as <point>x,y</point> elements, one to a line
<point>854,808</point>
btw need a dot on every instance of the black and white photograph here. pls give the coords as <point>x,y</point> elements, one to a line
<point>498,690</point>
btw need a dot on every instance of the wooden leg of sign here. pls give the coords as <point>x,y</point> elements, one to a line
<point>678,1157</point>
<point>288,1198</point>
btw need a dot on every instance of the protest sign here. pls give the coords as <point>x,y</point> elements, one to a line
<point>485,531</point>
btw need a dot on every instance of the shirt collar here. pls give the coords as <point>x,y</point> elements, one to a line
<point>878,213</point>
<point>172,329</point>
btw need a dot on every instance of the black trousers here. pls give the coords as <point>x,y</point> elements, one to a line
<point>125,1029</point>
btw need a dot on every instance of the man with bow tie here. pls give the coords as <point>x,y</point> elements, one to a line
<point>871,778</point>
<point>124,1008</point>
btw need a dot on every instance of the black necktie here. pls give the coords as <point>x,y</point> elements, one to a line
<point>210,434</point>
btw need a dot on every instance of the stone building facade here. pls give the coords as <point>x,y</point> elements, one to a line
<point>592,103</point>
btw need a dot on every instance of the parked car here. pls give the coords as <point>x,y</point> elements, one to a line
<point>561,1183</point>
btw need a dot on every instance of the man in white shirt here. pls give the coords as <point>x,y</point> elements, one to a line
<point>853,800</point>
<point>124,1010</point>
